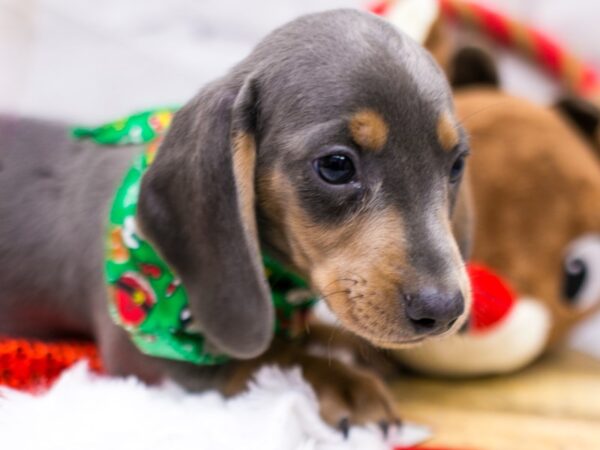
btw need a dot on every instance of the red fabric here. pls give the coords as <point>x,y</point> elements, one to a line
<point>428,448</point>
<point>495,24</point>
<point>590,82</point>
<point>33,365</point>
<point>447,10</point>
<point>548,52</point>
<point>379,7</point>
<point>493,298</point>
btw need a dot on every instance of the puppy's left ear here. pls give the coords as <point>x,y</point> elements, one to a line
<point>197,207</point>
<point>584,115</point>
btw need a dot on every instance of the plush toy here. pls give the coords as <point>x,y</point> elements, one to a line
<point>505,333</point>
<point>535,176</point>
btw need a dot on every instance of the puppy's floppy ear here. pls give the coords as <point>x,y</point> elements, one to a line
<point>584,115</point>
<point>196,206</point>
<point>473,65</point>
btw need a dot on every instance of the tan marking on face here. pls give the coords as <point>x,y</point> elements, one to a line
<point>369,129</point>
<point>447,132</point>
<point>244,162</point>
<point>359,266</point>
<point>375,263</point>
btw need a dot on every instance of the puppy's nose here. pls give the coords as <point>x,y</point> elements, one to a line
<point>433,312</point>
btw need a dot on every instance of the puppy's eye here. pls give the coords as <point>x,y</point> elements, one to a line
<point>457,169</point>
<point>581,273</point>
<point>335,168</point>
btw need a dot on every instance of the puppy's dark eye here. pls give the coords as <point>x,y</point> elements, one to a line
<point>335,169</point>
<point>457,169</point>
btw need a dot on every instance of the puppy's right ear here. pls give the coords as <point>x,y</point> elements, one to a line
<point>196,206</point>
<point>473,65</point>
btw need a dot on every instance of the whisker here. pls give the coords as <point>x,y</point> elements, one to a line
<point>337,280</point>
<point>464,119</point>
<point>329,294</point>
<point>360,277</point>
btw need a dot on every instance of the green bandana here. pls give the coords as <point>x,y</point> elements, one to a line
<point>147,299</point>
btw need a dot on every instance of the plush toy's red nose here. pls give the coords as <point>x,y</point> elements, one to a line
<point>493,298</point>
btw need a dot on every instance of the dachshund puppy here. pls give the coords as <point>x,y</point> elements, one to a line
<point>332,147</point>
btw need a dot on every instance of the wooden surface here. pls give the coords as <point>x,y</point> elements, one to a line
<point>554,404</point>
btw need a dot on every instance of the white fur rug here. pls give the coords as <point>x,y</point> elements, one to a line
<point>84,411</point>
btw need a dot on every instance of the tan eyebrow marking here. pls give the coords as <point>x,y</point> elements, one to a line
<point>447,131</point>
<point>369,129</point>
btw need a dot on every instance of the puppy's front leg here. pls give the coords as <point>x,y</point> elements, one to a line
<point>347,395</point>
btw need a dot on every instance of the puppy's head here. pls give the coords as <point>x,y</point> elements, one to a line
<point>335,148</point>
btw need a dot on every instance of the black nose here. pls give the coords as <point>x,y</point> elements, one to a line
<point>433,312</point>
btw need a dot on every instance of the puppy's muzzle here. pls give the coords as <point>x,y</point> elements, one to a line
<point>431,312</point>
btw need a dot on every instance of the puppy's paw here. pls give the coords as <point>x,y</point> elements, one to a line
<point>349,396</point>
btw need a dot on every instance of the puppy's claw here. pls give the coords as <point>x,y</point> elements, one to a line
<point>344,427</point>
<point>385,427</point>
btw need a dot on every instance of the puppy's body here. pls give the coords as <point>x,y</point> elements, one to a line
<point>56,192</point>
<point>240,169</point>
<point>52,238</point>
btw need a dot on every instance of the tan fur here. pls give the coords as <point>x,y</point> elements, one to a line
<point>361,281</point>
<point>338,270</point>
<point>361,259</point>
<point>447,131</point>
<point>536,186</point>
<point>358,395</point>
<point>244,162</point>
<point>369,129</point>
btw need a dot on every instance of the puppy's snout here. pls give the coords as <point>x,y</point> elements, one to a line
<point>433,312</point>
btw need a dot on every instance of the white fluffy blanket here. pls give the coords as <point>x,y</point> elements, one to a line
<point>84,411</point>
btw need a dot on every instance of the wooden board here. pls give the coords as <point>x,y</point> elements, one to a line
<point>554,404</point>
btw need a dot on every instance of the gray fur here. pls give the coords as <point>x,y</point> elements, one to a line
<point>300,86</point>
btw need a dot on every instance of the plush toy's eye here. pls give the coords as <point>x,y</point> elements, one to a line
<point>457,168</point>
<point>581,282</point>
<point>336,168</point>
